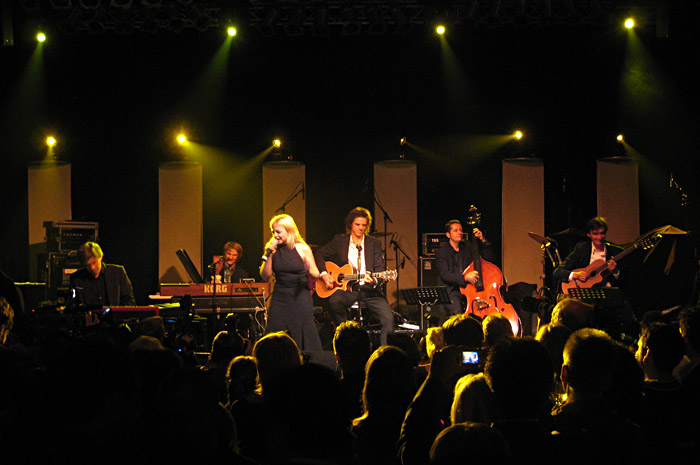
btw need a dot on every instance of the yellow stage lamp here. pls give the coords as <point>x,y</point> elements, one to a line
<point>51,141</point>
<point>620,138</point>
<point>181,139</point>
<point>231,31</point>
<point>277,143</point>
<point>629,23</point>
<point>517,135</point>
<point>440,29</point>
<point>41,37</point>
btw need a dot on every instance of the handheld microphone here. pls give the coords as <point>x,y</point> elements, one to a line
<point>268,251</point>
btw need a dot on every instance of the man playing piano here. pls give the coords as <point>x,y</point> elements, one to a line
<point>100,284</point>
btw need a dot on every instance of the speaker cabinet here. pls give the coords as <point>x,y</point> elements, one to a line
<point>428,272</point>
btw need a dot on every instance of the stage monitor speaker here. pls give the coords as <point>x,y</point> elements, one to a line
<point>428,272</point>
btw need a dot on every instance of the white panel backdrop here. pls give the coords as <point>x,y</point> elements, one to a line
<point>522,212</point>
<point>49,199</point>
<point>281,180</point>
<point>180,219</point>
<point>395,184</point>
<point>618,197</point>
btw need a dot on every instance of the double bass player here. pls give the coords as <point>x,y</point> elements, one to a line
<point>452,258</point>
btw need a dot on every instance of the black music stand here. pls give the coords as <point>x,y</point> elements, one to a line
<point>425,296</point>
<point>601,296</point>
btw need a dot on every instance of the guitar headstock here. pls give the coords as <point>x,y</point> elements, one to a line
<point>474,218</point>
<point>649,242</point>
<point>390,275</point>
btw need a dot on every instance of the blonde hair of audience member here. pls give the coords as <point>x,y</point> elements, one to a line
<point>573,314</point>
<point>496,327</point>
<point>473,400</point>
<point>434,341</point>
<point>275,353</point>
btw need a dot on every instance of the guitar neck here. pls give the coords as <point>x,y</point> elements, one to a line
<point>619,256</point>
<point>357,277</point>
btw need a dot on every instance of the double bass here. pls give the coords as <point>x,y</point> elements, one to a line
<point>484,297</point>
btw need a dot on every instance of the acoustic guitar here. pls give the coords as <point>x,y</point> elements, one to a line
<point>596,270</point>
<point>344,275</point>
<point>484,297</point>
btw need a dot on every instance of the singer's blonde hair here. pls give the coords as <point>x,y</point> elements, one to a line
<point>293,236</point>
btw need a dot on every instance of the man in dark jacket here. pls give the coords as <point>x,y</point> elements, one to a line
<point>99,284</point>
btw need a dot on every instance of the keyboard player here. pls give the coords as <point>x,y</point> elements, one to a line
<point>99,284</point>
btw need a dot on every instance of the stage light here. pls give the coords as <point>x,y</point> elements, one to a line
<point>517,135</point>
<point>181,139</point>
<point>51,141</point>
<point>402,141</point>
<point>620,138</point>
<point>231,31</point>
<point>277,143</point>
<point>440,29</point>
<point>41,37</point>
<point>629,23</point>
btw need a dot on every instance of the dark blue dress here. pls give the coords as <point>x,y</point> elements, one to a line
<point>291,307</point>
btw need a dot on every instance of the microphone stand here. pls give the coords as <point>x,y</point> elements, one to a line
<point>214,312</point>
<point>398,248</point>
<point>298,189</point>
<point>386,218</point>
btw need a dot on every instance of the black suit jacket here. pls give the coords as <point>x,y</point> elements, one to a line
<point>119,290</point>
<point>448,272</point>
<point>580,257</point>
<point>336,251</point>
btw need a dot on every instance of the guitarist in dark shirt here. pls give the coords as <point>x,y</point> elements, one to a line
<point>572,269</point>
<point>617,320</point>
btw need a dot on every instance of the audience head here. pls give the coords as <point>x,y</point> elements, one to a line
<point>496,327</point>
<point>573,314</point>
<point>463,330</point>
<point>352,346</point>
<point>660,348</point>
<point>226,345</point>
<point>690,329</point>
<point>406,343</point>
<point>152,326</point>
<point>145,343</point>
<point>473,400</point>
<point>590,356</point>
<point>553,338</point>
<point>464,443</point>
<point>390,383</point>
<point>519,372</point>
<point>275,354</point>
<point>309,417</point>
<point>241,377</point>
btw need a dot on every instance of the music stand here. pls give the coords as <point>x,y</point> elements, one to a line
<point>424,296</point>
<point>602,296</point>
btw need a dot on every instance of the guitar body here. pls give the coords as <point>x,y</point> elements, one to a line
<point>342,275</point>
<point>598,267</point>
<point>595,278</point>
<point>338,274</point>
<point>486,299</point>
